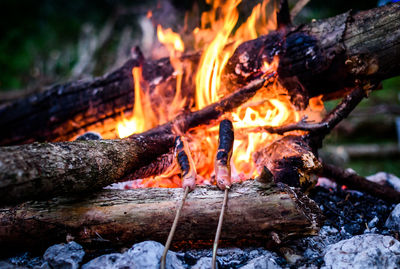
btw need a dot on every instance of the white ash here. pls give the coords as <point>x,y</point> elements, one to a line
<point>263,262</point>
<point>364,251</point>
<point>203,263</point>
<point>144,255</point>
<point>393,221</point>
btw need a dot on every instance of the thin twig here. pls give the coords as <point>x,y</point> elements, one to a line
<point>321,129</point>
<point>219,227</point>
<point>297,8</point>
<point>173,228</point>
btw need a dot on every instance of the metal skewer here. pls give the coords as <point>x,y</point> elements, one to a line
<point>186,164</point>
<point>223,175</point>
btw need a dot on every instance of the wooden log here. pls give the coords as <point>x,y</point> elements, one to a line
<point>293,159</point>
<point>326,56</point>
<point>122,217</point>
<point>67,110</point>
<point>322,57</point>
<point>290,160</point>
<point>356,182</point>
<point>42,170</point>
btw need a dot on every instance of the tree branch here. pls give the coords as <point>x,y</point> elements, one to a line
<point>356,182</point>
<point>42,170</point>
<point>321,129</point>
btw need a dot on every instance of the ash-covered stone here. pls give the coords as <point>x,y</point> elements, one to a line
<point>385,179</point>
<point>393,221</point>
<point>114,260</point>
<point>267,261</point>
<point>66,256</point>
<point>203,263</point>
<point>89,136</point>
<point>144,255</point>
<point>44,265</point>
<point>147,254</point>
<point>229,257</point>
<point>364,251</point>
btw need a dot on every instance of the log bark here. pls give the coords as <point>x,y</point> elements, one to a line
<point>326,56</point>
<point>42,170</point>
<point>322,57</point>
<point>356,182</point>
<point>67,110</point>
<point>115,217</point>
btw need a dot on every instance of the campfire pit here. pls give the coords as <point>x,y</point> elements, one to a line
<point>270,82</point>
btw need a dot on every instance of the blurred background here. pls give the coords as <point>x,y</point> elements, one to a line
<point>44,42</point>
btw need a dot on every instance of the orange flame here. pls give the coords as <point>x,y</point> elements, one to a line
<point>140,121</point>
<point>218,39</point>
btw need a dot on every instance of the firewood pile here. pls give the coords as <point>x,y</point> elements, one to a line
<point>52,184</point>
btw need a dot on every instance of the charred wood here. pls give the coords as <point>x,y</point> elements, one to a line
<point>290,160</point>
<point>323,57</point>
<point>356,182</point>
<point>42,170</point>
<point>293,159</point>
<point>68,110</point>
<point>318,131</point>
<point>326,56</point>
<point>114,217</point>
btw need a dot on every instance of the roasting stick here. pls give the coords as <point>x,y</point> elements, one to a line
<point>223,174</point>
<point>188,174</point>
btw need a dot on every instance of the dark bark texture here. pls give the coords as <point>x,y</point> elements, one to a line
<point>323,57</point>
<point>113,218</point>
<point>42,170</point>
<point>327,56</point>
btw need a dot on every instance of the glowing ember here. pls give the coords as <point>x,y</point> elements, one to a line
<point>218,40</point>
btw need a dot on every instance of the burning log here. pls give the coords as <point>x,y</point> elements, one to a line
<point>116,217</point>
<point>293,159</point>
<point>290,160</point>
<point>42,170</point>
<point>326,56</point>
<point>68,110</point>
<point>323,57</point>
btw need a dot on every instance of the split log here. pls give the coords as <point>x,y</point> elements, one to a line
<point>42,170</point>
<point>122,217</point>
<point>323,57</point>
